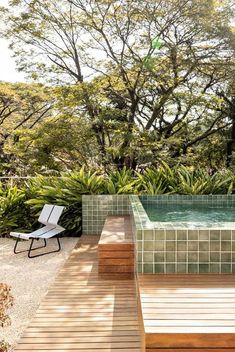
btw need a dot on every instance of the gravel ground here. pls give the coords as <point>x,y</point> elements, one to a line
<point>29,279</point>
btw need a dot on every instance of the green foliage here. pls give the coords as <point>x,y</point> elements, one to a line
<point>156,98</point>
<point>120,182</point>
<point>14,212</point>
<point>66,190</point>
<point>156,181</point>
<point>20,206</point>
<point>198,181</point>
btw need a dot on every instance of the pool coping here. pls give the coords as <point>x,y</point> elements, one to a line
<point>143,222</point>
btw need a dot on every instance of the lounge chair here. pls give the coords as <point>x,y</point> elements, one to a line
<point>49,217</point>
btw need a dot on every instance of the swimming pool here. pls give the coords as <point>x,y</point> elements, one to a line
<point>197,215</point>
<point>186,243</point>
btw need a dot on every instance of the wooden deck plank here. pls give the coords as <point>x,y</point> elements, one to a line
<point>188,312</point>
<point>69,349</point>
<point>85,312</point>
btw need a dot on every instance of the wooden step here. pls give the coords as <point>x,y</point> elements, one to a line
<point>116,247</point>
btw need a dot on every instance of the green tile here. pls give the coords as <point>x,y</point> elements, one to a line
<point>171,235</point>
<point>203,235</point>
<point>215,268</point>
<point>148,257</point>
<point>148,268</point>
<point>192,256</point>
<point>233,246</point>
<point>139,245</point>
<point>215,246</point>
<point>139,257</point>
<point>193,245</point>
<point>148,246</point>
<point>159,235</point>
<point>170,268</point>
<point>170,257</point>
<point>181,235</point>
<point>214,235</point>
<point>225,246</point>
<point>159,245</point>
<point>181,268</point>
<point>148,235</point>
<point>181,246</point>
<point>203,268</point>
<point>139,235</point>
<point>193,268</point>
<point>215,256</point>
<point>159,268</point>
<point>226,235</point>
<point>192,235</point>
<point>203,246</point>
<point>226,268</point>
<point>233,235</point>
<point>159,257</point>
<point>140,270</point>
<point>226,257</point>
<point>233,268</point>
<point>170,245</point>
<point>181,256</point>
<point>203,257</point>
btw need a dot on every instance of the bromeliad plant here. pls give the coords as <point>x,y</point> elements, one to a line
<point>200,182</point>
<point>156,181</point>
<point>120,182</point>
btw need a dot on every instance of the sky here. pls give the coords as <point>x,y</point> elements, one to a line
<point>8,70</point>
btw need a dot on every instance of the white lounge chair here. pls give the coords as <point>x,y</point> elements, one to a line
<point>49,217</point>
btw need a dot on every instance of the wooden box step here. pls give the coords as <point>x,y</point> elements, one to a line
<point>116,247</point>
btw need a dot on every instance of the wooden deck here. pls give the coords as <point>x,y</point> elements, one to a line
<point>83,312</point>
<point>86,312</point>
<point>188,312</point>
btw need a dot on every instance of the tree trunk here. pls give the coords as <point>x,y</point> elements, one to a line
<point>231,141</point>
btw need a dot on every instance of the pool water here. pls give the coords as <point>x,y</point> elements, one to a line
<point>192,213</point>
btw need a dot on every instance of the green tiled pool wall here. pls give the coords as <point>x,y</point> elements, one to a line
<point>95,209</point>
<point>185,251</point>
<point>182,250</point>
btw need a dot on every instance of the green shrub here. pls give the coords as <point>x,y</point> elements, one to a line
<point>198,181</point>
<point>156,181</point>
<point>14,212</point>
<point>120,182</point>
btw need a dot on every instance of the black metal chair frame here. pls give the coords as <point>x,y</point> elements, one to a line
<point>33,249</point>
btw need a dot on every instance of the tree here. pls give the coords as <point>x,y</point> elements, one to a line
<point>40,132</point>
<point>144,72</point>
<point>228,109</point>
<point>22,107</point>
